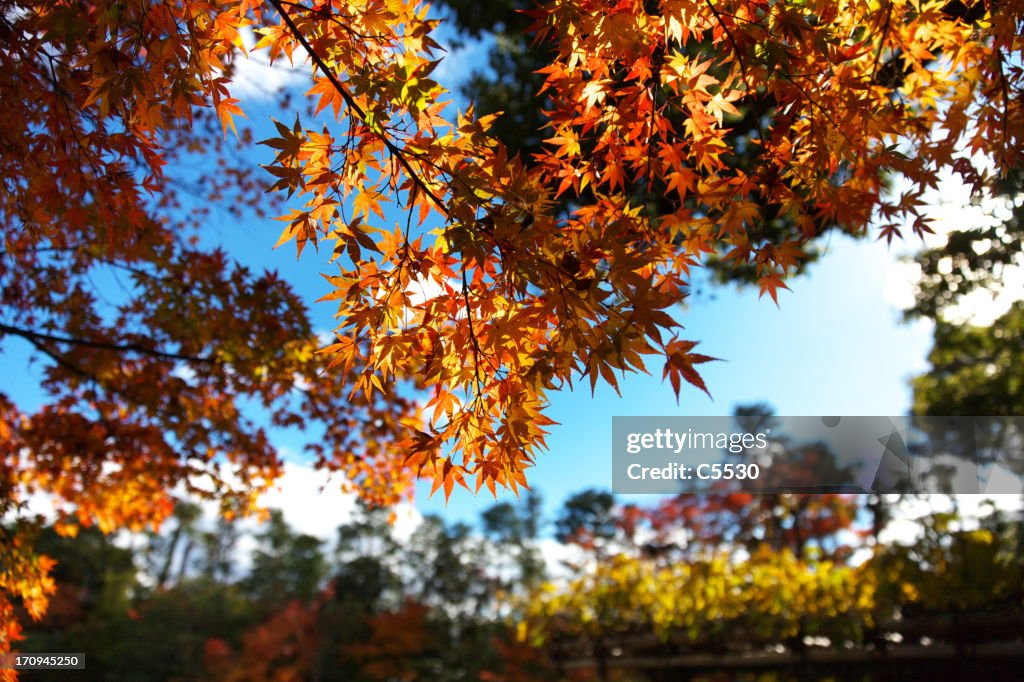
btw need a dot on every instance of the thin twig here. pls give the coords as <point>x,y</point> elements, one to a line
<point>881,41</point>
<point>472,335</point>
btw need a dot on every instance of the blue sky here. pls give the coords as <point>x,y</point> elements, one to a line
<point>834,345</point>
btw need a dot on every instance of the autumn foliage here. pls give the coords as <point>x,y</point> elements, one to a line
<point>528,293</point>
<point>538,272</point>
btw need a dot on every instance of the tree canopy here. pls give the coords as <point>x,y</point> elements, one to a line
<point>975,367</point>
<point>537,272</point>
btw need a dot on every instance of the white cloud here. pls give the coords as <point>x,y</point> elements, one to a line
<point>256,79</point>
<point>311,500</point>
<point>420,290</point>
<point>557,557</point>
<point>325,337</point>
<point>407,519</point>
<point>900,288</point>
<point>423,289</point>
<point>905,527</point>
<point>982,307</point>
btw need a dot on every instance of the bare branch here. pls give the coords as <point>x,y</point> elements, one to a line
<point>35,336</point>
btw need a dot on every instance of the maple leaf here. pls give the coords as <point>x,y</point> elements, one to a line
<point>679,365</point>
<point>770,284</point>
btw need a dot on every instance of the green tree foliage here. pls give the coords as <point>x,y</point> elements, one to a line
<point>286,565</point>
<point>510,83</point>
<point>975,369</point>
<point>177,547</point>
<point>514,529</point>
<point>95,580</point>
<point>587,519</point>
<point>973,258</point>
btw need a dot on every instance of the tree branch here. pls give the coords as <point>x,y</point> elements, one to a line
<point>34,337</point>
<point>395,150</point>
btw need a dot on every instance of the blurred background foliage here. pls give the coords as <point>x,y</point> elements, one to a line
<point>623,592</point>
